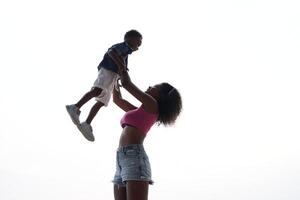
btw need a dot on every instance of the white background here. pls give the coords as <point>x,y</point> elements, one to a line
<point>236,64</point>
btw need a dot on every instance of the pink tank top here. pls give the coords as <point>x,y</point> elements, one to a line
<point>140,119</point>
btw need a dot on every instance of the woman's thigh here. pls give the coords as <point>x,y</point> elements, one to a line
<point>137,190</point>
<point>119,192</point>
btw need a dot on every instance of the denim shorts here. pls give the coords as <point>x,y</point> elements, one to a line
<point>132,163</point>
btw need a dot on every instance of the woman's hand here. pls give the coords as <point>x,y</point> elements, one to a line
<point>119,60</point>
<point>119,101</point>
<point>125,78</point>
<point>117,85</point>
<point>117,96</point>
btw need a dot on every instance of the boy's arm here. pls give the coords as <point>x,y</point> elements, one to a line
<point>119,101</point>
<point>117,59</point>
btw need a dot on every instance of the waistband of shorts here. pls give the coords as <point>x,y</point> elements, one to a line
<point>131,147</point>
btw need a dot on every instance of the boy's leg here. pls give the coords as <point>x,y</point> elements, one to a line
<point>74,109</point>
<point>95,91</point>
<point>94,111</point>
<point>85,127</point>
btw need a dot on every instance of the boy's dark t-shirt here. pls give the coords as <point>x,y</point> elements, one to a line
<point>122,49</point>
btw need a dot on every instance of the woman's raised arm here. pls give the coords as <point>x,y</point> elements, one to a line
<point>119,101</point>
<point>147,100</point>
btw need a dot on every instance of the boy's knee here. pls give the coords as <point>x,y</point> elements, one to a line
<point>96,91</point>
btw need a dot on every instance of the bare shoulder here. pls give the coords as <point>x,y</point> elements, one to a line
<point>151,106</point>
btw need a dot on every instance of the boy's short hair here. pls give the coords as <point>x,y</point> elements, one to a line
<point>132,33</point>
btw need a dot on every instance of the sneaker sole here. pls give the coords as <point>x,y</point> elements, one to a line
<point>88,137</point>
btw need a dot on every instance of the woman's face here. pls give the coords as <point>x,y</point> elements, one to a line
<point>153,91</point>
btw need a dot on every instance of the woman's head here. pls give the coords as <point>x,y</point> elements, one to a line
<point>169,102</point>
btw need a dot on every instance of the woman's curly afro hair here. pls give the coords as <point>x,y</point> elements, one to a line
<point>169,104</point>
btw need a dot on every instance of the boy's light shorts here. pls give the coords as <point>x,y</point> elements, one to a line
<point>106,80</point>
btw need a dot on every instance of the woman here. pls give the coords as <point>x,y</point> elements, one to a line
<point>160,103</point>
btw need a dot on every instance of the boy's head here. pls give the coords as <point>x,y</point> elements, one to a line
<point>134,39</point>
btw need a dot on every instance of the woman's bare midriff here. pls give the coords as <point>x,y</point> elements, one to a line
<point>131,135</point>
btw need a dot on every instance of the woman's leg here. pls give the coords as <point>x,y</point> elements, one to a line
<point>92,93</point>
<point>119,192</point>
<point>137,190</point>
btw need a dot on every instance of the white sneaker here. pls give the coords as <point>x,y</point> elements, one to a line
<point>87,131</point>
<point>74,113</point>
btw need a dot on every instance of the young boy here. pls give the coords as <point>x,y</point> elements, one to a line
<point>108,74</point>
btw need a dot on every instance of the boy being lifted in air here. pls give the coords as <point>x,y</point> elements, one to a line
<point>108,75</point>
